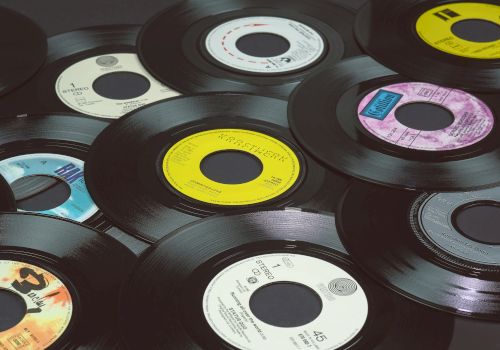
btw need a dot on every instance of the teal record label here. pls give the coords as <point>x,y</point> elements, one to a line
<point>79,206</point>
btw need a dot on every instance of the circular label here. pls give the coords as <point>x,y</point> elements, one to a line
<point>306,44</point>
<point>74,87</point>
<point>79,206</point>
<point>226,304</point>
<point>435,216</point>
<point>435,28</point>
<point>473,120</point>
<point>48,301</point>
<point>181,167</point>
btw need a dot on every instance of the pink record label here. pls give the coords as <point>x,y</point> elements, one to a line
<point>473,120</point>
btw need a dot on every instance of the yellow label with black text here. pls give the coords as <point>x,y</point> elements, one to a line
<point>435,27</point>
<point>49,307</point>
<point>182,167</point>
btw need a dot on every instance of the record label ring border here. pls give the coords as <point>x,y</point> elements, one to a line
<point>434,27</point>
<point>280,172</point>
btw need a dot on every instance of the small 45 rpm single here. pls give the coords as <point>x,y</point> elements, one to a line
<point>277,279</point>
<point>245,46</point>
<point>365,120</point>
<point>94,71</point>
<point>445,42</point>
<point>442,249</point>
<point>173,162</point>
<point>24,49</point>
<point>55,292</point>
<point>42,158</point>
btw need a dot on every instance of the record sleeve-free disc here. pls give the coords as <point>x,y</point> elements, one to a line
<point>55,292</point>
<point>93,71</point>
<point>245,46</point>
<point>441,249</point>
<point>24,49</point>
<point>367,121</point>
<point>268,280</point>
<point>42,157</point>
<point>443,42</point>
<point>173,162</point>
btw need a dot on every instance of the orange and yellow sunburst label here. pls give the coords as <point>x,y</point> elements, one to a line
<point>49,306</point>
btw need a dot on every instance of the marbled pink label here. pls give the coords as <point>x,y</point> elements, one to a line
<point>473,118</point>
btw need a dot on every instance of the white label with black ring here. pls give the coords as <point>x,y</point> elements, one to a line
<point>306,44</point>
<point>226,303</point>
<point>75,86</point>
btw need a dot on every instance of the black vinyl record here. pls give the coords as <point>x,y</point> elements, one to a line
<point>258,47</point>
<point>444,42</point>
<point>367,121</point>
<point>24,48</point>
<point>441,249</point>
<point>42,157</point>
<point>268,280</point>
<point>7,200</point>
<point>93,71</point>
<point>60,284</point>
<point>174,162</point>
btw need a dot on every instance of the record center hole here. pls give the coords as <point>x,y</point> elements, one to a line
<point>231,167</point>
<point>424,116</point>
<point>12,309</point>
<point>479,221</point>
<point>286,304</point>
<point>477,30</point>
<point>121,85</point>
<point>263,45</point>
<point>40,192</point>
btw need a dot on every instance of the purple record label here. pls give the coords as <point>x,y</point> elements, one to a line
<point>473,120</point>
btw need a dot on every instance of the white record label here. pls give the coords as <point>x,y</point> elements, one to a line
<point>74,87</point>
<point>306,44</point>
<point>226,304</point>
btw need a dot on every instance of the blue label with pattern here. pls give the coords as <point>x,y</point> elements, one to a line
<point>381,105</point>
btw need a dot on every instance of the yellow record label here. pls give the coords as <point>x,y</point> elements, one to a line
<point>435,27</point>
<point>182,167</point>
<point>48,304</point>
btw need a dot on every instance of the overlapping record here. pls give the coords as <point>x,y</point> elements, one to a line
<point>369,122</point>
<point>24,48</point>
<point>441,249</point>
<point>443,42</point>
<point>7,201</point>
<point>258,47</point>
<point>55,292</point>
<point>93,71</point>
<point>42,157</point>
<point>268,280</point>
<point>173,162</point>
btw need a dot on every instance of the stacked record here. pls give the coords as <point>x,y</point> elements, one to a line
<point>253,175</point>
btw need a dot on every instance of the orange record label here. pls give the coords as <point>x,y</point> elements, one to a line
<point>48,302</point>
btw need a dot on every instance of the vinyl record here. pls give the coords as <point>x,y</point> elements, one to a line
<point>441,249</point>
<point>254,46</point>
<point>267,280</point>
<point>174,162</point>
<point>367,121</point>
<point>7,201</point>
<point>42,158</point>
<point>55,292</point>
<point>93,71</point>
<point>24,48</point>
<point>444,42</point>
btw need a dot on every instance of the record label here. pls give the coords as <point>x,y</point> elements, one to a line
<point>280,167</point>
<point>75,86</point>
<point>435,217</point>
<point>436,28</point>
<point>79,206</point>
<point>227,303</point>
<point>48,303</point>
<point>472,119</point>
<point>304,45</point>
